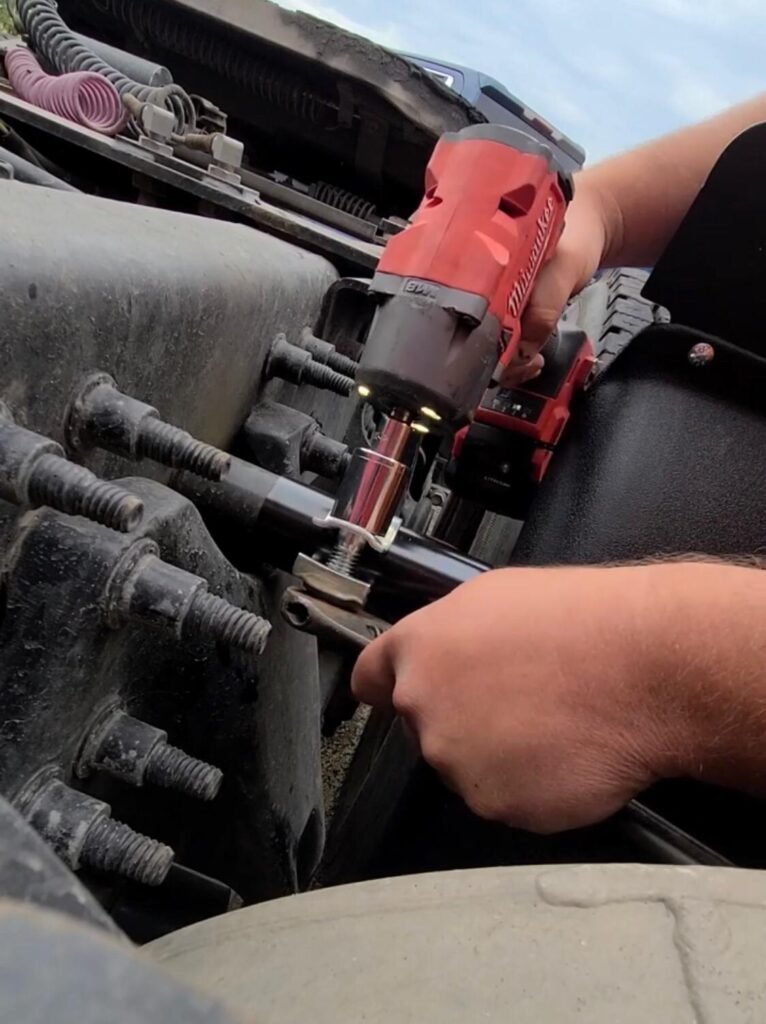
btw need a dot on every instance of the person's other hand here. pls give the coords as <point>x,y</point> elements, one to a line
<point>534,692</point>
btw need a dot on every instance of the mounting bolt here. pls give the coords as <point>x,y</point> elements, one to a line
<point>324,455</point>
<point>145,589</point>
<point>701,355</point>
<point>34,471</point>
<point>101,415</point>
<point>230,625</point>
<point>138,753</point>
<point>83,834</point>
<point>111,846</point>
<point>322,351</point>
<point>294,364</point>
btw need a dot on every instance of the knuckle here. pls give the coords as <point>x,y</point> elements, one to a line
<point>484,806</point>
<point>436,753</point>
<point>405,700</point>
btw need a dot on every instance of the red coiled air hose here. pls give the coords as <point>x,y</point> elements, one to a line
<point>81,96</point>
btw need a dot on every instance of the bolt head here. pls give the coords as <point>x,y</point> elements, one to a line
<point>702,354</point>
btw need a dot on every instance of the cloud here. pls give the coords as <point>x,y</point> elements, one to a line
<point>691,94</point>
<point>704,14</point>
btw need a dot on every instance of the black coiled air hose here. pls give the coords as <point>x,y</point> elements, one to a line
<point>251,75</point>
<point>64,51</point>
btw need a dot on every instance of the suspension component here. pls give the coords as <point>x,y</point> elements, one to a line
<point>138,753</point>
<point>83,834</point>
<point>294,364</point>
<point>102,416</point>
<point>145,589</point>
<point>34,472</point>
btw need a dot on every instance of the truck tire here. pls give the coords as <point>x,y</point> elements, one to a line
<point>594,943</point>
<point>612,311</point>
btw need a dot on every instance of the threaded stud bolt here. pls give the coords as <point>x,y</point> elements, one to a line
<point>103,416</point>
<point>175,447</point>
<point>111,846</point>
<point>342,364</point>
<point>328,379</point>
<point>294,364</point>
<point>147,589</point>
<point>346,554</point>
<point>322,351</point>
<point>173,768</point>
<point>137,753</point>
<point>229,624</point>
<point>80,830</point>
<point>75,490</point>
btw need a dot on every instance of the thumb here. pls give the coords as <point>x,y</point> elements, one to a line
<point>374,675</point>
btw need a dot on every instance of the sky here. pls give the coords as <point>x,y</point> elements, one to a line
<point>609,73</point>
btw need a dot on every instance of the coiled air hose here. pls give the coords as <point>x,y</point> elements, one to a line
<point>251,74</point>
<point>81,96</point>
<point>64,51</point>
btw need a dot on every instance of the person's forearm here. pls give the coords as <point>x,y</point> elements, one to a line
<point>647,192</point>
<point>713,643</point>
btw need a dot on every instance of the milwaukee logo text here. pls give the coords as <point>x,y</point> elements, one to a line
<point>527,276</point>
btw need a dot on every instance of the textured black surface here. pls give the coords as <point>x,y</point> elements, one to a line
<point>32,873</point>
<point>180,310</point>
<point>660,457</point>
<point>258,719</point>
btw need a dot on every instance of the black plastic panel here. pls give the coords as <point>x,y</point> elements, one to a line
<point>660,457</point>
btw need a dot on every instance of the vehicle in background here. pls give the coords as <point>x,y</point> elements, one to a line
<point>499,106</point>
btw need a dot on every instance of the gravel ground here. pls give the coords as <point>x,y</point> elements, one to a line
<point>337,752</point>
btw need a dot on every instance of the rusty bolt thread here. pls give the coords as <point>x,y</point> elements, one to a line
<point>75,490</point>
<point>230,625</point>
<point>322,376</point>
<point>342,364</point>
<point>296,364</point>
<point>113,847</point>
<point>322,351</point>
<point>173,768</point>
<point>174,447</point>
